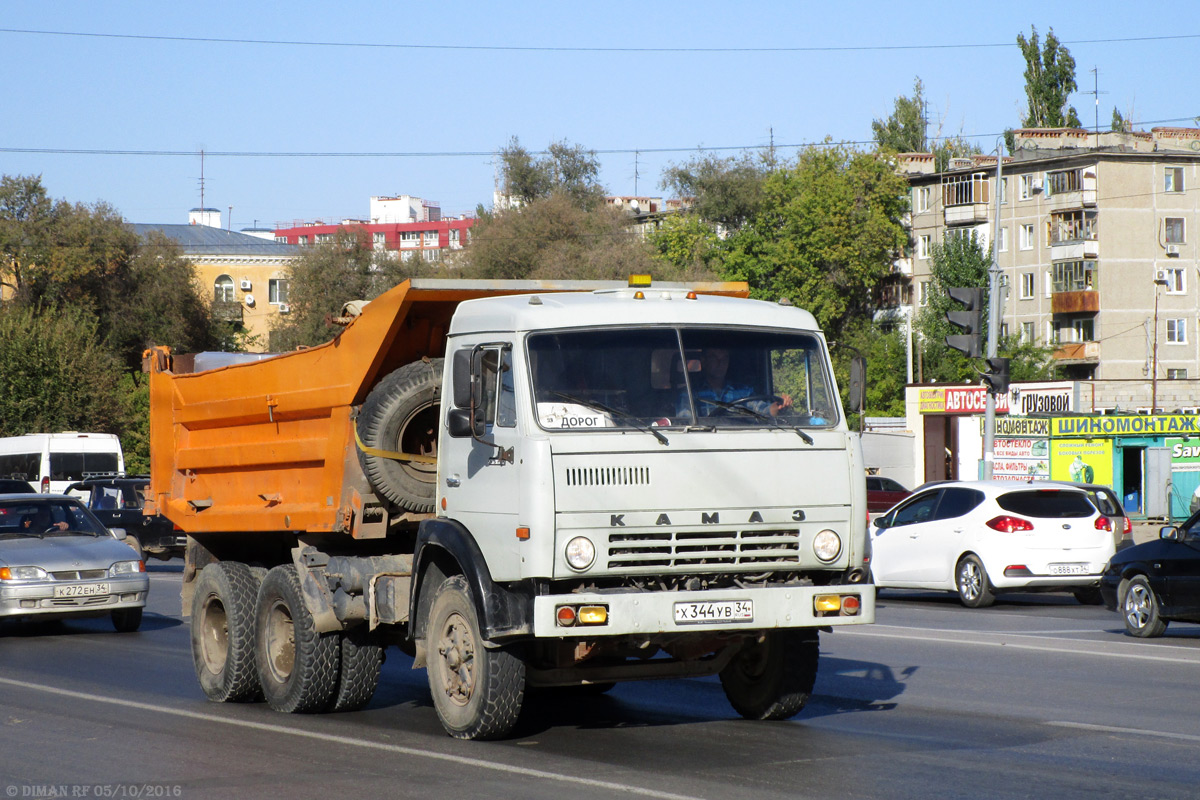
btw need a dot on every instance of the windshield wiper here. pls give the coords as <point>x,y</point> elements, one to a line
<point>741,409</point>
<point>632,420</point>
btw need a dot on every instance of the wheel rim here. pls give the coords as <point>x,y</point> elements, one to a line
<point>280,642</point>
<point>1137,606</point>
<point>214,635</point>
<point>418,436</point>
<point>456,646</point>
<point>970,581</point>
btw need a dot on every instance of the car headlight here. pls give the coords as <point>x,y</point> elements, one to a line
<point>827,545</point>
<point>580,553</point>
<point>126,568</point>
<point>22,574</point>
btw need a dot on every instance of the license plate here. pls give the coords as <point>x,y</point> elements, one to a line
<point>81,590</point>
<point>719,611</point>
<point>1068,569</point>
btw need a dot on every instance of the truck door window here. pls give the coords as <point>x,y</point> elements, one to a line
<point>499,402</point>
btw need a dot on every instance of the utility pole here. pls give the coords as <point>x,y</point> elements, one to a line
<point>989,419</point>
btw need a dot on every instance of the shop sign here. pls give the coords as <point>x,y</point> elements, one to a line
<point>1131,425</point>
<point>1082,460</point>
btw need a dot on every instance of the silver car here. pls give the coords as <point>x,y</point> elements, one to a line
<point>57,560</point>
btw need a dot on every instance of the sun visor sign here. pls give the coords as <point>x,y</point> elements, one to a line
<point>572,416</point>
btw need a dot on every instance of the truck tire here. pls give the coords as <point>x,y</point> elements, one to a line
<point>297,666</point>
<point>358,677</point>
<point>223,632</point>
<point>477,691</point>
<point>773,679</point>
<point>401,414</point>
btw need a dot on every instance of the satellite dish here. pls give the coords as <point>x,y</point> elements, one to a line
<point>249,300</point>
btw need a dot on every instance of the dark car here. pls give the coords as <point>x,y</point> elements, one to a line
<point>1108,504</point>
<point>15,486</point>
<point>1156,582</point>
<point>883,493</point>
<point>117,501</point>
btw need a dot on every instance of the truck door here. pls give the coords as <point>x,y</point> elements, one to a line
<point>480,480</point>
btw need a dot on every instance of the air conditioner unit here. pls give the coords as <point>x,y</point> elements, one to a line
<point>246,285</point>
<point>1036,183</point>
<point>1173,250</point>
<point>284,308</point>
<point>1160,276</point>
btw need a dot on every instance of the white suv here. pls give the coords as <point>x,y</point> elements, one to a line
<point>983,537</point>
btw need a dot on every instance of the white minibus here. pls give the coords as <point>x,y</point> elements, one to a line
<point>53,461</point>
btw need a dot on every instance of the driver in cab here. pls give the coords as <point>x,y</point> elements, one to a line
<point>714,393</point>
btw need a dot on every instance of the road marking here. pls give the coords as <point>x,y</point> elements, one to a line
<point>920,634</point>
<point>352,742</point>
<point>1187,737</point>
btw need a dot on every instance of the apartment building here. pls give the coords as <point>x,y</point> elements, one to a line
<point>1097,249</point>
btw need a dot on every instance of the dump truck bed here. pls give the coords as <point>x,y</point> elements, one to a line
<point>269,445</point>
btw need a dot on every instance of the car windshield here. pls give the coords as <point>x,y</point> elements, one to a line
<point>668,377</point>
<point>43,516</point>
<point>1051,503</point>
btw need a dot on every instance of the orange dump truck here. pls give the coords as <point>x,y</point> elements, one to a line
<point>521,484</point>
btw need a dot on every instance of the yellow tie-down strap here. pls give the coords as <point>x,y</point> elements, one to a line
<point>392,454</point>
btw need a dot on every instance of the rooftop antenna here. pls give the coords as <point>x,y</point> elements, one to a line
<point>636,153</point>
<point>202,179</point>
<point>1095,92</point>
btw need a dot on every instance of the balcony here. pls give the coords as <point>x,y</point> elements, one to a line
<point>227,311</point>
<point>1071,189</point>
<point>1078,353</point>
<point>965,199</point>
<point>970,214</point>
<point>1079,302</point>
<point>1074,250</point>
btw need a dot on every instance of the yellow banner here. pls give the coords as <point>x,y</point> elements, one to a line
<point>1131,425</point>
<point>1082,461</point>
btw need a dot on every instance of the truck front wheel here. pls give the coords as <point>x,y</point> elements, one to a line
<point>773,678</point>
<point>401,415</point>
<point>477,690</point>
<point>223,632</point>
<point>297,666</point>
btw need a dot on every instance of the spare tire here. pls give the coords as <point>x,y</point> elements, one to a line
<point>401,414</point>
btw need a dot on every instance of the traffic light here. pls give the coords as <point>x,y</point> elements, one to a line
<point>970,319</point>
<point>997,376</point>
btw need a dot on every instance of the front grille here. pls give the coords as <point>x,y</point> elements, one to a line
<point>78,574</point>
<point>692,549</point>
<point>608,476</point>
<point>77,602</point>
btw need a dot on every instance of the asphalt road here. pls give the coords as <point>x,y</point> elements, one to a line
<point>1036,697</point>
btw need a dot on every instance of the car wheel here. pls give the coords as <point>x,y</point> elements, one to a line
<point>127,620</point>
<point>974,588</point>
<point>1139,607</point>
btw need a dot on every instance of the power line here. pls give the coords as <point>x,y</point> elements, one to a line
<point>548,49</point>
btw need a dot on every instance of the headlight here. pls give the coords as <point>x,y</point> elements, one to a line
<point>22,574</point>
<point>126,568</point>
<point>827,545</point>
<point>580,553</point>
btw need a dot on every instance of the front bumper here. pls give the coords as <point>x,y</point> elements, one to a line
<point>651,613</point>
<point>36,598</point>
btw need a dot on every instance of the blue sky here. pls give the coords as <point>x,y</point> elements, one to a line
<point>614,76</point>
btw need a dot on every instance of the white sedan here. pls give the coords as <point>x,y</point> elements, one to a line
<point>982,537</point>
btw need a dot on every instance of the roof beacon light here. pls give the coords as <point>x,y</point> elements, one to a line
<point>639,279</point>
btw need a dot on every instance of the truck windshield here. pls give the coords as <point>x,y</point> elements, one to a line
<point>681,377</point>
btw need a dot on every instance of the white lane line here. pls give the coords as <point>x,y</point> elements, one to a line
<point>917,634</point>
<point>1187,737</point>
<point>352,742</point>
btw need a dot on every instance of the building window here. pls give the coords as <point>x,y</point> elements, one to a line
<point>302,239</point>
<point>223,289</point>
<point>921,198</point>
<point>1177,374</point>
<point>1176,280</point>
<point>1063,181</point>
<point>962,190</point>
<point>1025,190</point>
<point>1073,226</point>
<point>1003,330</point>
<point>1080,329</point>
<point>1073,276</point>
<point>379,240</point>
<point>1026,286</point>
<point>1177,331</point>
<point>1174,230</point>
<point>324,238</point>
<point>432,255</point>
<point>410,238</point>
<point>923,243</point>
<point>1027,237</point>
<point>1173,179</point>
<point>1003,191</point>
<point>1027,332</point>
<point>431,239</point>
<point>454,235</point>
<point>281,239</point>
<point>277,290</point>
<point>923,294</point>
<point>1003,240</point>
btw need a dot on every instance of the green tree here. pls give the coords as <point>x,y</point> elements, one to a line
<point>55,375</point>
<point>904,130</point>
<point>1049,81</point>
<point>724,191</point>
<point>331,274</point>
<point>684,244</point>
<point>567,169</point>
<point>826,234</point>
<point>26,213</point>
<point>886,351</point>
<point>1119,123</point>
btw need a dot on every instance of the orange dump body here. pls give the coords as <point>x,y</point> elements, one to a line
<point>269,445</point>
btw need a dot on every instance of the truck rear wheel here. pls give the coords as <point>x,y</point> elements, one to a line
<point>401,415</point>
<point>223,632</point>
<point>358,678</point>
<point>297,666</point>
<point>477,690</point>
<point>774,678</point>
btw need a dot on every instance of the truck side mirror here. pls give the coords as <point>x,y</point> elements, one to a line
<point>458,422</point>
<point>858,383</point>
